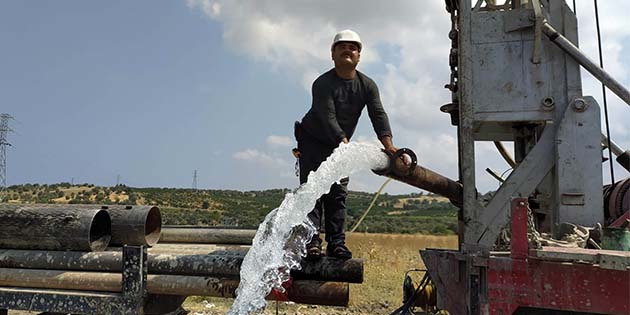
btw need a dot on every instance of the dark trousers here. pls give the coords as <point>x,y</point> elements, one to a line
<point>333,204</point>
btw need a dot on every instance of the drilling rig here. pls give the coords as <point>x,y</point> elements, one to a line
<point>515,77</point>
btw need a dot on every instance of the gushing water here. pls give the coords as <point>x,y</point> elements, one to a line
<point>280,242</point>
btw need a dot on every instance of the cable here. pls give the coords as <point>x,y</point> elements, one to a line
<point>405,309</point>
<point>574,8</point>
<point>371,204</point>
<point>601,64</point>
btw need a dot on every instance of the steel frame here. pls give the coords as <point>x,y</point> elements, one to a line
<point>129,301</point>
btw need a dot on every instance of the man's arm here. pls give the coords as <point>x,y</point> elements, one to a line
<point>378,116</point>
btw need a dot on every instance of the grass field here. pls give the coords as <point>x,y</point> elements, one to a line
<point>387,257</point>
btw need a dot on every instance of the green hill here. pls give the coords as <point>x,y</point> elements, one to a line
<point>411,213</point>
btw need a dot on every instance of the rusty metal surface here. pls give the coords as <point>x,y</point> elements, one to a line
<point>210,249</point>
<point>519,242</point>
<point>331,269</point>
<point>207,236</point>
<point>130,301</point>
<point>135,225</point>
<point>53,227</point>
<point>321,293</point>
<point>61,301</point>
<point>300,291</point>
<point>428,180</point>
<point>325,269</point>
<point>444,268</point>
<point>514,283</point>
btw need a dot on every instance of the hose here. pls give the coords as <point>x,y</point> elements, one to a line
<point>378,193</point>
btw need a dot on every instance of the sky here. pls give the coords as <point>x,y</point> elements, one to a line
<point>147,92</point>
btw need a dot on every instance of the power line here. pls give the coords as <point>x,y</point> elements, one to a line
<point>4,143</point>
<point>194,182</point>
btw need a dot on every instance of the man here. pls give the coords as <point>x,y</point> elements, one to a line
<point>339,97</point>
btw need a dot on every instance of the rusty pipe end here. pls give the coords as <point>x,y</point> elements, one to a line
<point>153,226</point>
<point>100,231</point>
<point>401,163</point>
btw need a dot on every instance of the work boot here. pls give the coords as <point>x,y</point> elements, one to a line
<point>314,250</point>
<point>338,250</point>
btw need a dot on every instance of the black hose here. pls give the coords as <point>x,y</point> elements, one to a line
<point>405,309</point>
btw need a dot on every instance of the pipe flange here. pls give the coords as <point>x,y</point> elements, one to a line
<point>393,161</point>
<point>398,155</point>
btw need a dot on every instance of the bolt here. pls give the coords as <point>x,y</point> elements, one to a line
<point>579,105</point>
<point>548,103</point>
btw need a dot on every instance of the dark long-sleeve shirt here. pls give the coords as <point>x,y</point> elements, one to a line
<point>337,106</point>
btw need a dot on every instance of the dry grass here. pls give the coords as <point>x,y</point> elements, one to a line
<point>387,258</point>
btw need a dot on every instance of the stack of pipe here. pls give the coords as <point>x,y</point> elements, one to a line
<point>324,281</point>
<point>77,227</point>
<point>65,247</point>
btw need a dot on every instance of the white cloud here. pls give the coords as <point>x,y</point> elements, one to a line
<point>279,141</point>
<point>293,37</point>
<point>261,158</point>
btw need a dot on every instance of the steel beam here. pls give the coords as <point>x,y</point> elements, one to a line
<point>521,182</point>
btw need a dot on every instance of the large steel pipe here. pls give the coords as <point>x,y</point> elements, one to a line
<point>135,225</point>
<point>53,227</point>
<point>175,264</point>
<point>207,235</point>
<point>423,178</point>
<point>604,77</point>
<point>209,249</point>
<point>301,291</point>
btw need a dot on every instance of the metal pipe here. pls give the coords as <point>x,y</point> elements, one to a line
<point>300,291</point>
<point>207,235</point>
<point>505,154</point>
<point>53,227</point>
<point>207,249</point>
<point>324,269</point>
<point>428,180</point>
<point>623,157</point>
<point>599,73</point>
<point>615,148</point>
<point>135,225</point>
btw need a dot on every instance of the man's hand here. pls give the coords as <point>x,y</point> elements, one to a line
<point>391,149</point>
<point>388,145</point>
<point>344,140</point>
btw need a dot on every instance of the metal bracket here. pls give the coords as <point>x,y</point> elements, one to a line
<point>521,182</point>
<point>537,31</point>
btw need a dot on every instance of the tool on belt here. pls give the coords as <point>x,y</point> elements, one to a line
<point>297,130</point>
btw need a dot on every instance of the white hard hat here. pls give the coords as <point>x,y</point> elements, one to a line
<point>346,36</point>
